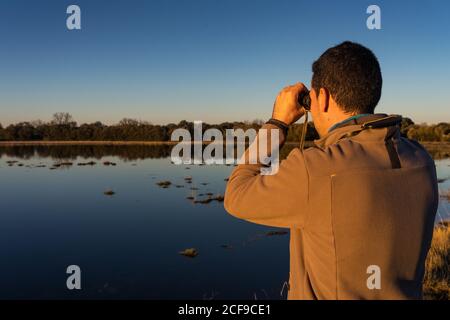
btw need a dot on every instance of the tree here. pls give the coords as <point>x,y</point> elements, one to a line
<point>406,124</point>
<point>128,122</point>
<point>2,133</point>
<point>62,118</point>
<point>21,131</point>
<point>62,127</point>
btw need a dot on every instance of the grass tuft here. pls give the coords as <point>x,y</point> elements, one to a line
<point>436,284</point>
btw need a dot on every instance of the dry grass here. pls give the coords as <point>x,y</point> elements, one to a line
<point>438,150</point>
<point>446,195</point>
<point>436,284</point>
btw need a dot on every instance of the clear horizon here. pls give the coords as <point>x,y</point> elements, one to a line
<point>167,61</point>
<point>48,120</point>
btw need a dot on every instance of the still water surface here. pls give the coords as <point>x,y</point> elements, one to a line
<point>127,245</point>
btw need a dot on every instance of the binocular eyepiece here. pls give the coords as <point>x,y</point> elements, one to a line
<point>304,100</point>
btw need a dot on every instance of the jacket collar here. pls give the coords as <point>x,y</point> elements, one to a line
<point>349,120</point>
<point>354,125</point>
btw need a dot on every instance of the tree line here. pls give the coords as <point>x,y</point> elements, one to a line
<point>62,127</point>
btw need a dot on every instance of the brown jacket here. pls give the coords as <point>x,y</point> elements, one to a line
<point>362,196</point>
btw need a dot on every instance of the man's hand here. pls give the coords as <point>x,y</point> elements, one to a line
<point>286,107</point>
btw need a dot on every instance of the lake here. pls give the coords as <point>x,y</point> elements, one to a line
<point>127,244</point>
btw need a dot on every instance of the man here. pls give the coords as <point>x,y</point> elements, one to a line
<point>360,203</point>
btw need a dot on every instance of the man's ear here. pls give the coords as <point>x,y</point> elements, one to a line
<point>324,99</point>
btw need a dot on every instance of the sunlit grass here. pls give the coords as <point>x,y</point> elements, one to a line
<point>436,284</point>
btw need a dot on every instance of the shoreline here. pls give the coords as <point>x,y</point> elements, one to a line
<point>102,143</point>
<point>124,142</point>
<point>75,142</point>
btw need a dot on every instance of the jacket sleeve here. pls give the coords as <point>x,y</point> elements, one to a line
<point>278,200</point>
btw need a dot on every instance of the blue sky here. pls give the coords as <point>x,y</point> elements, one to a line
<point>211,60</point>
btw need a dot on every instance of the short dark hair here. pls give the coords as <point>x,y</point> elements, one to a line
<point>351,73</point>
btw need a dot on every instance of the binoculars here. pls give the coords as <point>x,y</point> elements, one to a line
<point>304,100</point>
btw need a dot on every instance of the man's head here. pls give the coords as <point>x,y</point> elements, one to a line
<point>346,81</point>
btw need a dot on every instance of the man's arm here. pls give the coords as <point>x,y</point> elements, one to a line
<point>280,199</point>
<point>277,200</point>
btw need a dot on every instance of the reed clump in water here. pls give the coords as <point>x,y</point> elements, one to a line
<point>218,198</point>
<point>276,233</point>
<point>90,163</point>
<point>190,252</point>
<point>109,192</point>
<point>164,184</point>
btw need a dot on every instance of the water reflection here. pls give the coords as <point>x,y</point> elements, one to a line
<point>126,224</point>
<point>71,152</point>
